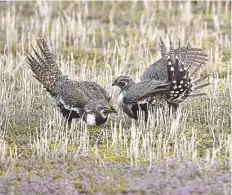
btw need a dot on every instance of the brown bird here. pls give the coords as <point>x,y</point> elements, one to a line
<point>75,99</point>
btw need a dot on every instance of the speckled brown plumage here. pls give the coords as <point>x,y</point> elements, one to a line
<point>76,99</point>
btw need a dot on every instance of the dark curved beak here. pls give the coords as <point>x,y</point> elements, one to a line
<point>113,110</point>
<point>114,83</point>
<point>110,109</point>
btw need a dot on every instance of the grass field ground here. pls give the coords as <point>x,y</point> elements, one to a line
<point>186,154</point>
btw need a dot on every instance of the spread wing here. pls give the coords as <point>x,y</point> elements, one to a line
<point>78,94</point>
<point>144,90</point>
<point>72,95</point>
<point>96,91</point>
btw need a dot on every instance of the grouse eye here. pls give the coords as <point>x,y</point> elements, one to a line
<point>103,108</point>
<point>105,111</point>
<point>122,83</point>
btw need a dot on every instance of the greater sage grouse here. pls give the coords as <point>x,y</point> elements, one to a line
<point>76,99</point>
<point>168,80</point>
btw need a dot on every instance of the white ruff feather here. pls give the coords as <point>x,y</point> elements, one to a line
<point>103,114</point>
<point>120,100</point>
<point>77,110</point>
<point>90,120</point>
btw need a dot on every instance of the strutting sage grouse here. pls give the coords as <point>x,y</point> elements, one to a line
<point>168,80</point>
<point>76,99</point>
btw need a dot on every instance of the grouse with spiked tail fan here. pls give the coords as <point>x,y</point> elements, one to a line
<point>168,80</point>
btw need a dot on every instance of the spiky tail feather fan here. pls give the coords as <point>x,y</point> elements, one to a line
<point>45,68</point>
<point>179,76</point>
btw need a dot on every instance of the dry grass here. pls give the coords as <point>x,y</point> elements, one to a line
<point>96,41</point>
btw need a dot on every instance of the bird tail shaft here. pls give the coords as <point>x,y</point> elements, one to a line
<point>44,67</point>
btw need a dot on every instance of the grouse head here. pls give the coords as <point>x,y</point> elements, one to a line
<point>105,110</point>
<point>122,81</point>
<point>97,112</point>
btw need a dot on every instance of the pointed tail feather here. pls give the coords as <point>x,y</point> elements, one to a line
<point>50,61</point>
<point>44,67</point>
<point>197,94</point>
<point>200,79</point>
<point>184,56</point>
<point>193,60</point>
<point>178,56</point>
<point>163,49</point>
<point>171,49</point>
<point>202,86</point>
